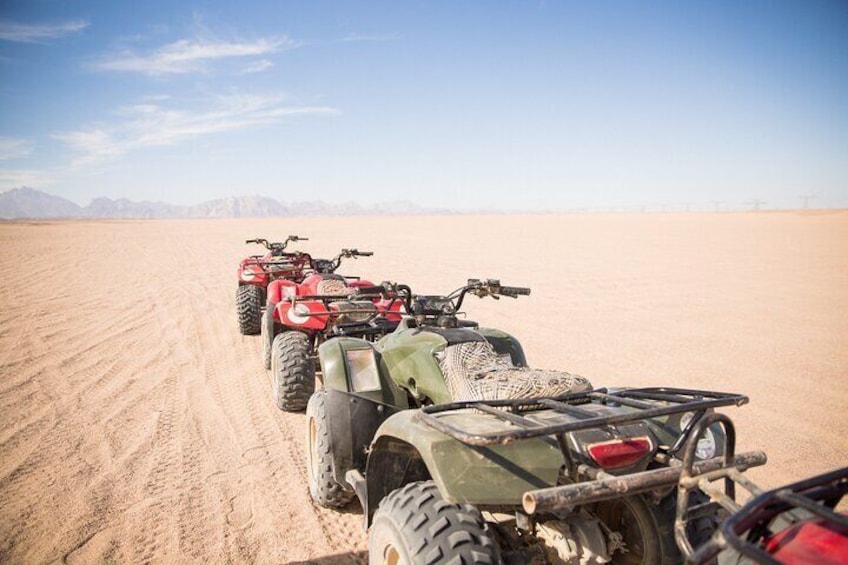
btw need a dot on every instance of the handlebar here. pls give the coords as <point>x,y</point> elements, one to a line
<point>488,287</point>
<point>354,253</point>
<point>514,291</point>
<point>276,245</point>
<point>330,265</point>
<point>390,290</point>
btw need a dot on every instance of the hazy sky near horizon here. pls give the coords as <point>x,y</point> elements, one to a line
<point>503,105</point>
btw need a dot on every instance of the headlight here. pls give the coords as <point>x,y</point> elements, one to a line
<point>706,445</point>
<point>247,275</point>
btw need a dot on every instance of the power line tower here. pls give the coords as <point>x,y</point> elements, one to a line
<point>755,204</point>
<point>806,198</point>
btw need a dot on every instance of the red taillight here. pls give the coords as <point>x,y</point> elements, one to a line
<point>619,452</point>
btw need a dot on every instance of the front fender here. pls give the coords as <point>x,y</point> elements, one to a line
<point>406,449</point>
<point>348,364</point>
<point>314,316</point>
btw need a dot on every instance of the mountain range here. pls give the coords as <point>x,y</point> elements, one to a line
<point>20,203</point>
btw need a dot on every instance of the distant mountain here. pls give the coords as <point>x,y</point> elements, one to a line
<point>123,208</point>
<point>238,207</point>
<point>30,203</point>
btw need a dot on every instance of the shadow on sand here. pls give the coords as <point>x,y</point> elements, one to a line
<point>339,559</point>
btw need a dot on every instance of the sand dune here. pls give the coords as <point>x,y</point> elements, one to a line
<point>137,424</point>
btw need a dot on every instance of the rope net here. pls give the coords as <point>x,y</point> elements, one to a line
<point>474,371</point>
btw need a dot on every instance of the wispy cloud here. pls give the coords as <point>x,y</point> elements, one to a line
<point>38,33</point>
<point>150,125</point>
<point>16,178</point>
<point>14,148</point>
<point>351,37</point>
<point>191,55</point>
<point>258,66</point>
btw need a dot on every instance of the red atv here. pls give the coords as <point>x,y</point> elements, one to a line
<point>795,524</point>
<point>300,317</point>
<point>257,271</point>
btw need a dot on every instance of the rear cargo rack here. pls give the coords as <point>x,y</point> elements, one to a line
<point>646,403</point>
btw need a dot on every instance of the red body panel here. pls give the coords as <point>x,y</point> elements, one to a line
<point>295,316</point>
<point>395,308</point>
<point>250,273</point>
<point>814,542</point>
<point>281,289</point>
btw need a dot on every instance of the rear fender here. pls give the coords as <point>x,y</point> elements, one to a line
<point>307,316</point>
<point>353,420</point>
<point>251,273</point>
<point>406,449</point>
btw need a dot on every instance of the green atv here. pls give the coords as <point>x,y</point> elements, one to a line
<point>458,452</point>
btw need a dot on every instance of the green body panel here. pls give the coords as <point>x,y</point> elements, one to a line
<point>486,476</point>
<point>505,343</point>
<point>409,360</point>
<point>335,371</point>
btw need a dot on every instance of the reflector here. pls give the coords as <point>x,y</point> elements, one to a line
<point>619,452</point>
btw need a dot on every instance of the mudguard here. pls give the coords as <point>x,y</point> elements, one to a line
<point>251,273</point>
<point>406,449</point>
<point>269,324</point>
<point>353,365</point>
<point>349,443</point>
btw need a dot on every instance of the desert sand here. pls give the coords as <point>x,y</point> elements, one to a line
<point>137,425</point>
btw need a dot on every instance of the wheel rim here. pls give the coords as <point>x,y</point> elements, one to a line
<point>620,518</point>
<point>391,556</point>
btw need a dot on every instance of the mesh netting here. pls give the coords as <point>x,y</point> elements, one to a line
<point>332,286</point>
<point>474,371</point>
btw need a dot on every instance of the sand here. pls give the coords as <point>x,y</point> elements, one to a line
<point>136,424</point>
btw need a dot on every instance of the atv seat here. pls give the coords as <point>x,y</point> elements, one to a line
<point>332,286</point>
<point>474,371</point>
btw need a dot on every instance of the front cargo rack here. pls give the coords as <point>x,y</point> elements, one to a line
<point>646,402</point>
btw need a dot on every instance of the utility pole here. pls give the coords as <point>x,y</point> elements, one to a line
<point>806,198</point>
<point>755,204</point>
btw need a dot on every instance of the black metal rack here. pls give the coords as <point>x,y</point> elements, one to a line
<point>744,530</point>
<point>646,403</point>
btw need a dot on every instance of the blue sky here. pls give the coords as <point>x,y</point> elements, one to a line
<point>501,105</point>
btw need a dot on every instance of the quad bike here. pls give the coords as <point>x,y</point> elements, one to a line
<point>299,317</point>
<point>793,525</point>
<point>459,452</point>
<point>257,271</point>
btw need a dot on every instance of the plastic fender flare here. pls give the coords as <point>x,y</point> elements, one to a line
<point>406,449</point>
<point>315,322</point>
<point>331,355</point>
<point>335,372</point>
<point>269,321</point>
